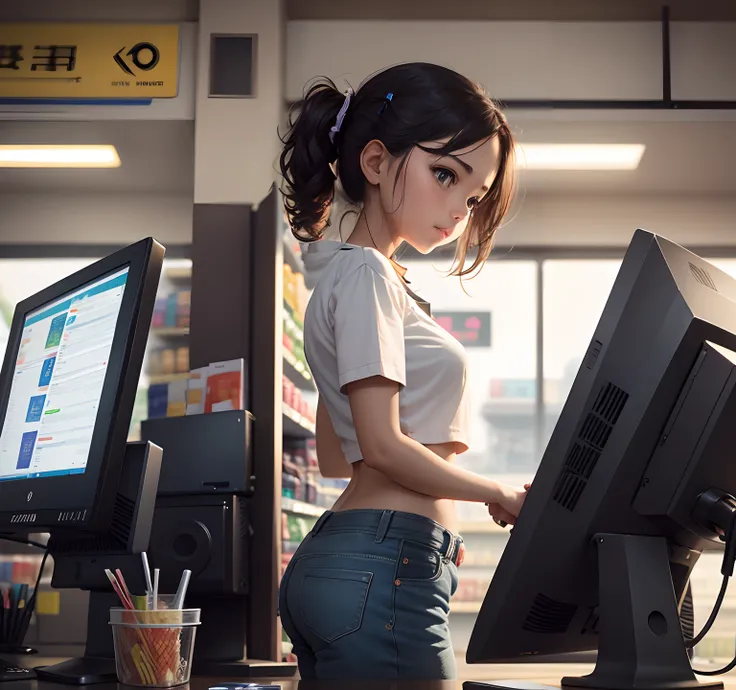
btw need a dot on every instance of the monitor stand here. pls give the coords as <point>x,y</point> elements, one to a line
<point>640,642</point>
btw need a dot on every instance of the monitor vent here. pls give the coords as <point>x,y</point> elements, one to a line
<point>610,403</point>
<point>122,518</point>
<point>586,449</point>
<point>702,276</point>
<point>549,616</point>
<point>595,431</point>
<point>568,489</point>
<point>582,459</point>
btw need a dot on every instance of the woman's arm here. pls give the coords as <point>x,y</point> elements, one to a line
<point>375,407</point>
<point>332,462</point>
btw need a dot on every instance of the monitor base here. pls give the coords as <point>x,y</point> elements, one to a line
<point>507,685</point>
<point>84,670</point>
<point>640,640</point>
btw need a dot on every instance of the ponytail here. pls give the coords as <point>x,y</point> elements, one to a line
<point>307,159</point>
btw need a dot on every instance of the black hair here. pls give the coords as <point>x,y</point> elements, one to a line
<point>401,106</point>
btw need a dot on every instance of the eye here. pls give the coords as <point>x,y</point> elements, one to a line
<point>444,176</point>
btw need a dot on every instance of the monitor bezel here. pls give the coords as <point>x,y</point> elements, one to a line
<point>86,500</point>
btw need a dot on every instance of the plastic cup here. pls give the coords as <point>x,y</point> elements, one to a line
<point>154,648</point>
<point>163,601</point>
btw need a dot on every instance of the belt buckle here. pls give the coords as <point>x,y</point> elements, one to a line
<point>460,552</point>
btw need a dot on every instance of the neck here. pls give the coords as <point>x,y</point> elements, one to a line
<point>371,230</point>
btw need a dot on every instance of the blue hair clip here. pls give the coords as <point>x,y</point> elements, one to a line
<point>389,97</point>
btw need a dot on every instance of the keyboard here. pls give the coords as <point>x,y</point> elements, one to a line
<point>10,671</point>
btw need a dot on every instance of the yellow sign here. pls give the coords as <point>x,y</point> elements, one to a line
<point>89,61</point>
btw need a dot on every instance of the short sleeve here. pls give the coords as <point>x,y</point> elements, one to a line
<point>369,327</point>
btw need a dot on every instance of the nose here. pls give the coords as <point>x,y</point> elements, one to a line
<point>460,213</point>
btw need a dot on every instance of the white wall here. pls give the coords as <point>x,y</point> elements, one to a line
<point>539,220</point>
<point>236,142</point>
<point>94,218</point>
<point>536,60</point>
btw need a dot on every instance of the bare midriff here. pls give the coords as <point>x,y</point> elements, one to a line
<point>371,489</point>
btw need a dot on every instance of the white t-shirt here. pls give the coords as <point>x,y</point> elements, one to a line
<point>362,322</point>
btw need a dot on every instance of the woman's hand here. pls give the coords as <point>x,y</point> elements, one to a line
<point>505,511</point>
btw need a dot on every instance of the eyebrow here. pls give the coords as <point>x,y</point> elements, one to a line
<point>468,168</point>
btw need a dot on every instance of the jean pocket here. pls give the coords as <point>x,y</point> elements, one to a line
<point>332,601</point>
<point>418,562</point>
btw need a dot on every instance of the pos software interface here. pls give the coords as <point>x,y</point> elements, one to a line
<point>58,379</point>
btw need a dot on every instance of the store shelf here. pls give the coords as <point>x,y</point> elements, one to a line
<point>296,372</point>
<point>292,255</point>
<point>290,505</point>
<point>296,426</point>
<point>170,331</point>
<point>465,606</point>
<point>166,378</point>
<point>178,272</point>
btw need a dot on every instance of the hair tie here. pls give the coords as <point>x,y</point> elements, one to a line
<point>341,115</point>
<point>386,100</point>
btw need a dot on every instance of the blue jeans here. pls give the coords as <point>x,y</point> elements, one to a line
<point>367,596</point>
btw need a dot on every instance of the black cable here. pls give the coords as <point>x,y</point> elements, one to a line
<point>728,667</point>
<point>727,570</point>
<point>713,615</point>
<point>31,603</point>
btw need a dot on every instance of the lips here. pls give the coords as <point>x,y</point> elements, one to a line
<point>445,232</point>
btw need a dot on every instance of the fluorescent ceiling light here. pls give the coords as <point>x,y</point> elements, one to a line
<point>58,156</point>
<point>579,156</point>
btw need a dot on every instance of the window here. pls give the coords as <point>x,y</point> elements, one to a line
<point>502,361</point>
<point>575,293</point>
<point>502,368</point>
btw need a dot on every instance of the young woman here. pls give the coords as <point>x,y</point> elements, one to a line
<point>427,158</point>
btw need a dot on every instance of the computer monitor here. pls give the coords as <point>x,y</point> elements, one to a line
<point>67,389</point>
<point>634,484</point>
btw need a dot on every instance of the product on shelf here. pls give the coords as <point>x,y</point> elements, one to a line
<point>220,386</point>
<point>294,400</point>
<point>295,292</point>
<point>197,390</point>
<point>172,310</point>
<point>226,385</point>
<point>288,391</point>
<point>301,479</point>
<point>182,359</point>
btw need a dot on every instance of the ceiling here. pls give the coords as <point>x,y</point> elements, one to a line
<point>680,157</point>
<point>158,157</point>
<point>514,10</point>
<point>541,10</point>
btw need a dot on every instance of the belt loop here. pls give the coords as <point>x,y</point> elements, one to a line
<point>383,525</point>
<point>451,544</point>
<point>320,522</point>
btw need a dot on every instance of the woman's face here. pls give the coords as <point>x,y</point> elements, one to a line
<point>431,203</point>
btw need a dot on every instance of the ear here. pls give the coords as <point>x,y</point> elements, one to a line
<point>374,159</point>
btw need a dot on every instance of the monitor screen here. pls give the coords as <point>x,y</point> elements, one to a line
<point>57,381</point>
